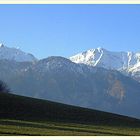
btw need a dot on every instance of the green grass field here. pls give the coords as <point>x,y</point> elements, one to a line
<point>18,127</point>
<point>27,116</point>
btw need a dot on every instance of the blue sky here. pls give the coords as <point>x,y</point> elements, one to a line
<point>65,30</point>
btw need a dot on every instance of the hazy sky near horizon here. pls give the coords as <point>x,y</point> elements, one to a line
<point>65,30</point>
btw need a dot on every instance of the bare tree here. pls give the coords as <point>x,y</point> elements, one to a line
<point>3,87</point>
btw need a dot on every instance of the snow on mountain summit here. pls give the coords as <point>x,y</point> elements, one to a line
<point>88,57</point>
<point>101,57</point>
<point>107,59</point>
<point>122,61</point>
<point>15,54</point>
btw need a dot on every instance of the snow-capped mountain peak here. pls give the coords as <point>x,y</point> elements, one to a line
<point>15,54</point>
<point>122,61</point>
<point>87,57</point>
<point>90,57</point>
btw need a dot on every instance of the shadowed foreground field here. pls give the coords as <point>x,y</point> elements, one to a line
<point>27,116</point>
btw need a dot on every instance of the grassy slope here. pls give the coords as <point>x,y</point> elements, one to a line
<point>27,116</point>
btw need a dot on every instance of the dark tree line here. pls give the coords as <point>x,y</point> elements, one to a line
<point>3,87</point>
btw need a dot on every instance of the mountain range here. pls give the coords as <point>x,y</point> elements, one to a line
<point>15,54</point>
<point>96,79</point>
<point>126,62</point>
